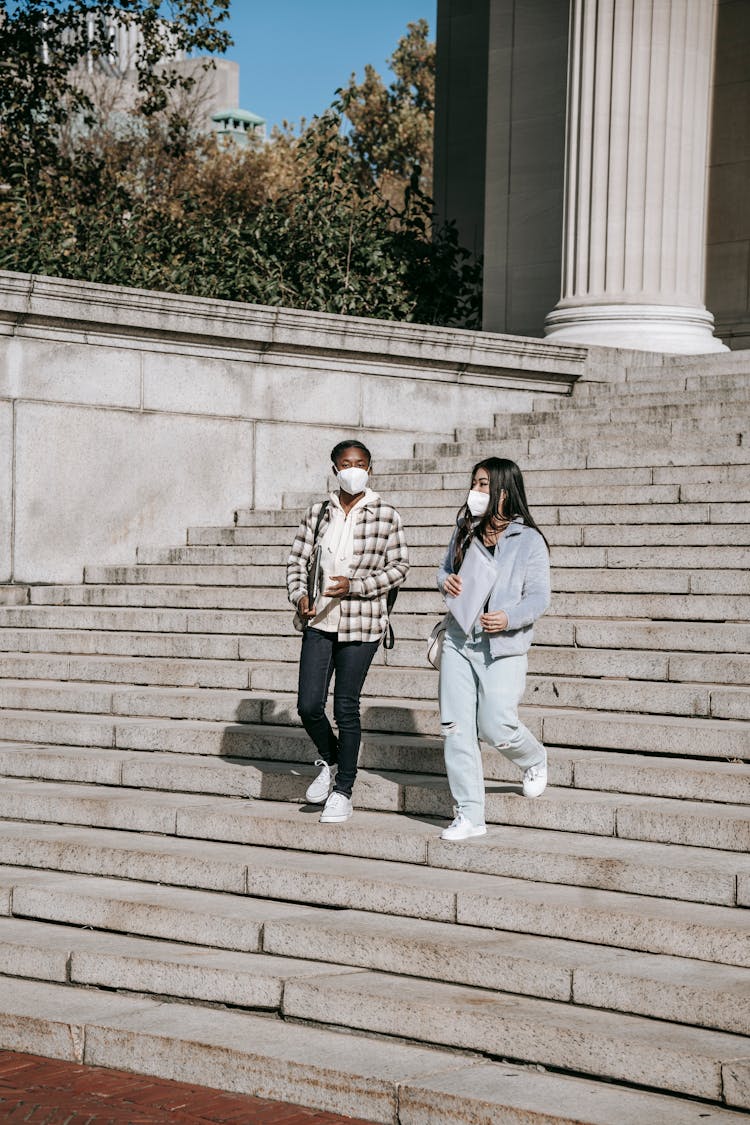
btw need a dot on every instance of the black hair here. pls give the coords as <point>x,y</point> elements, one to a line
<point>505,476</point>
<point>353,444</point>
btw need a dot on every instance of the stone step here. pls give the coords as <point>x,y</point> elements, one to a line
<point>126,670</point>
<point>627,816</point>
<point>263,777</point>
<point>664,421</point>
<point>297,988</point>
<point>678,373</point>
<point>570,453</point>
<point>695,388</point>
<point>587,396</point>
<point>265,623</point>
<point>206,918</point>
<point>669,607</point>
<point>147,596</point>
<point>415,482</point>
<point>13,594</point>
<point>65,954</point>
<point>625,514</point>
<point>552,660</point>
<point>594,569</point>
<point>563,676</point>
<point>658,607</point>
<point>136,619</point>
<point>127,806</point>
<point>546,690</point>
<point>728,425</point>
<point>648,734</point>
<point>380,1079</point>
<point>642,818</point>
<point>656,636</point>
<point>412,629</point>
<point>83,641</point>
<point>671,535</point>
<point>719,493</point>
<point>682,1060</point>
<point>649,407</point>
<point>598,535</point>
<point>237,1051</point>
<point>714,365</point>
<point>682,513</point>
<point>603,665</point>
<point>683,736</point>
<point>622,577</point>
<point>677,873</point>
<point>602,917</point>
<point>454,472</point>
<point>248,575</point>
<point>264,559</point>
<point>543,496</point>
<point>663,424</point>
<point>652,984</point>
<point>548,968</point>
<point>161,596</point>
<point>418,473</point>
<point>254,586</point>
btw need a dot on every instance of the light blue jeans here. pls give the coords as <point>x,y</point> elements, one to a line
<point>479,698</point>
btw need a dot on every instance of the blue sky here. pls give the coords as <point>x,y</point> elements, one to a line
<point>293,54</point>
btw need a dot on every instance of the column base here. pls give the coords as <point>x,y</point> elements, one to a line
<point>677,329</point>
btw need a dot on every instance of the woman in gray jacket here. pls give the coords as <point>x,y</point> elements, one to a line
<point>483,673</point>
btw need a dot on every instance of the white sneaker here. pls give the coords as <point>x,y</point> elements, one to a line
<point>462,829</point>
<point>320,787</point>
<point>338,809</point>
<point>535,781</point>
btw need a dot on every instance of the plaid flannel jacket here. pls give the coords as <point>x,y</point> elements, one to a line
<point>381,562</point>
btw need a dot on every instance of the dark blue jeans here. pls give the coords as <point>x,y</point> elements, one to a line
<point>322,655</point>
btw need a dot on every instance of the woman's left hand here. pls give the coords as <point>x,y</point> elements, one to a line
<point>494,622</point>
<point>338,588</point>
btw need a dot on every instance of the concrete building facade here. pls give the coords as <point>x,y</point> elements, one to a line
<point>597,154</point>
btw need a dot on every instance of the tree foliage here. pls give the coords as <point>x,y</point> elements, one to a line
<point>393,125</point>
<point>330,218</point>
<point>48,46</point>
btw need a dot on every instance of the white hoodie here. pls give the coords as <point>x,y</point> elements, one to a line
<point>338,558</point>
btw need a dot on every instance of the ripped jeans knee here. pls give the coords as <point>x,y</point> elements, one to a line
<point>447,729</point>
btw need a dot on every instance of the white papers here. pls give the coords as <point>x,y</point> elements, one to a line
<point>477,574</point>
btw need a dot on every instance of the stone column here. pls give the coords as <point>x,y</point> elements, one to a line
<point>639,91</point>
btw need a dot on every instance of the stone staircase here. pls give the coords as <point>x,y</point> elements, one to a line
<point>586,961</point>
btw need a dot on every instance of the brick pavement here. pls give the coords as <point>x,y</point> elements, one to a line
<point>40,1091</point>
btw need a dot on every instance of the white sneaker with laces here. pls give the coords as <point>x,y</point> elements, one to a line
<point>338,809</point>
<point>462,829</point>
<point>320,787</point>
<point>535,781</point>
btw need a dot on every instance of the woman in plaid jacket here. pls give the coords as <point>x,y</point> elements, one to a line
<point>364,555</point>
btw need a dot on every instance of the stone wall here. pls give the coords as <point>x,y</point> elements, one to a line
<point>126,415</point>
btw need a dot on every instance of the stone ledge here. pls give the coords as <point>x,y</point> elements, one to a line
<point>30,301</point>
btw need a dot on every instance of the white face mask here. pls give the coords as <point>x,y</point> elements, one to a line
<point>478,502</point>
<point>353,481</point>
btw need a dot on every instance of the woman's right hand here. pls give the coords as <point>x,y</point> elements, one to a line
<point>452,585</point>
<point>304,609</point>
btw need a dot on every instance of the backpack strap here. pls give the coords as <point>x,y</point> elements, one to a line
<point>389,639</point>
<point>319,520</point>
